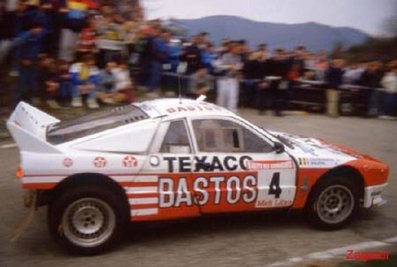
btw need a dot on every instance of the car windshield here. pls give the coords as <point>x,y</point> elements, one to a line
<point>93,123</point>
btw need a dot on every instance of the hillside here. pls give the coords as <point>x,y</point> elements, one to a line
<point>313,35</point>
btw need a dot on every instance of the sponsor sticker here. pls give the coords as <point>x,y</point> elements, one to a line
<point>316,161</point>
<point>193,108</point>
<point>67,162</point>
<point>265,165</point>
<point>207,190</point>
<point>100,162</point>
<point>154,161</point>
<point>130,161</point>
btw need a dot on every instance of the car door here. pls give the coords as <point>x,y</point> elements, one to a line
<point>169,164</point>
<point>236,168</point>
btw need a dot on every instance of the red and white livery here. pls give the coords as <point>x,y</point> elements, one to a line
<point>170,158</point>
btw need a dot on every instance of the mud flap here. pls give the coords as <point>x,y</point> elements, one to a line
<point>31,202</point>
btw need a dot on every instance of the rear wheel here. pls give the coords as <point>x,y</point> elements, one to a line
<point>87,220</point>
<point>333,203</point>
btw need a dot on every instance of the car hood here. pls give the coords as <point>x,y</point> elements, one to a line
<point>317,153</point>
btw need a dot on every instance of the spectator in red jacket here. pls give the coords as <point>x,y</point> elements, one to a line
<point>87,40</point>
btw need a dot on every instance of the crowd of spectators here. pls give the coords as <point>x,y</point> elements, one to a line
<point>64,52</point>
<point>378,79</point>
<point>69,51</point>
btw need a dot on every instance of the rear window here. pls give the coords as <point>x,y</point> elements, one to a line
<point>93,123</point>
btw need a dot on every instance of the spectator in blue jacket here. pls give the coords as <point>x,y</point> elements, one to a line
<point>85,79</point>
<point>207,56</point>
<point>26,17</point>
<point>28,46</point>
<point>159,56</point>
<point>174,51</point>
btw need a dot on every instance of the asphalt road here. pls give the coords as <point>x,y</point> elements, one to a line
<point>265,239</point>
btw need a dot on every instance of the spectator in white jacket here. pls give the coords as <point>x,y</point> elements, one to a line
<point>116,85</point>
<point>124,85</point>
<point>389,84</point>
<point>228,68</point>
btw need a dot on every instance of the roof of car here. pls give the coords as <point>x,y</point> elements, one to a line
<point>180,107</point>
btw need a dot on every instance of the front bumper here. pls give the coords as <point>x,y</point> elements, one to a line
<point>373,196</point>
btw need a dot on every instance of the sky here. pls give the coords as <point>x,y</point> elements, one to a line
<point>366,15</point>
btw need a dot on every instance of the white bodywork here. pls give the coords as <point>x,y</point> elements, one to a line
<point>129,153</point>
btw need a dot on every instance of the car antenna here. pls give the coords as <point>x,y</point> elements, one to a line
<point>180,70</point>
<point>179,89</point>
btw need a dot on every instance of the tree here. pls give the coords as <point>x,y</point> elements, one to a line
<point>337,50</point>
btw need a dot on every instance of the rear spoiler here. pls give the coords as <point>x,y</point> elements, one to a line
<point>28,126</point>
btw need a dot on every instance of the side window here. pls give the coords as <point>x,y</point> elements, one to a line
<point>215,135</point>
<point>176,140</point>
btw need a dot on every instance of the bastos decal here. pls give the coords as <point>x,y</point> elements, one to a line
<point>215,183</point>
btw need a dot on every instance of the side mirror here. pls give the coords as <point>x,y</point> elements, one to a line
<point>278,147</point>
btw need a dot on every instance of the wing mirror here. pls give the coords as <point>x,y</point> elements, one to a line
<point>278,147</point>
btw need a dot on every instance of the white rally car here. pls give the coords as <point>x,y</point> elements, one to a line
<point>168,159</point>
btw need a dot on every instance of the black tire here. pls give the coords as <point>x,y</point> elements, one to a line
<point>333,202</point>
<point>87,220</point>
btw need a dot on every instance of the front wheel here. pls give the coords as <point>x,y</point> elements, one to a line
<point>333,203</point>
<point>87,220</point>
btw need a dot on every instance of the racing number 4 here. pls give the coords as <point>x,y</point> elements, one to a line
<point>274,187</point>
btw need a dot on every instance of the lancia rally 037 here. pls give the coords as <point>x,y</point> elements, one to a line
<point>169,159</point>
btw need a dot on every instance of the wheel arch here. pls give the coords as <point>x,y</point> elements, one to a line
<point>82,179</point>
<point>342,171</point>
